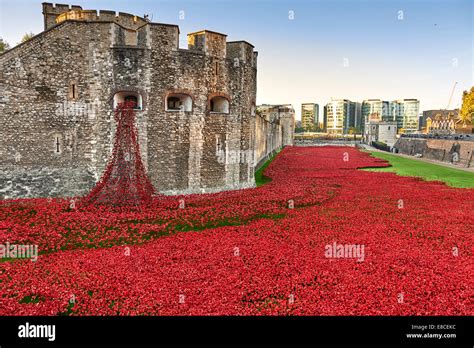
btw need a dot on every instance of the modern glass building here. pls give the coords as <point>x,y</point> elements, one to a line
<point>402,111</point>
<point>376,110</point>
<point>341,115</point>
<point>310,116</point>
<point>406,114</point>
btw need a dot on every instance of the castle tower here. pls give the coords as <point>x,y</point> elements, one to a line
<point>51,12</point>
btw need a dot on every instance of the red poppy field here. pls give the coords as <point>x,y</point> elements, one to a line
<point>251,252</point>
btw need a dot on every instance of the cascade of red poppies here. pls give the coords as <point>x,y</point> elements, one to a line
<point>124,181</point>
<point>249,252</point>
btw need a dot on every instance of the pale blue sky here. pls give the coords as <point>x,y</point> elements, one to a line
<point>417,53</point>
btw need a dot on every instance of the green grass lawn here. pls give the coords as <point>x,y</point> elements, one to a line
<point>428,171</point>
<point>261,179</point>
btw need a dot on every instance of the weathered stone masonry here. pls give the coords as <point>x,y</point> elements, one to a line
<point>196,106</point>
<point>438,149</point>
<point>275,127</point>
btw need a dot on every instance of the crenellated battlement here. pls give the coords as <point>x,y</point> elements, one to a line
<point>131,27</point>
<point>52,11</point>
<point>54,14</point>
<point>215,45</point>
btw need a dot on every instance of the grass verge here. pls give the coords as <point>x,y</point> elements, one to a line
<point>428,171</point>
<point>261,179</point>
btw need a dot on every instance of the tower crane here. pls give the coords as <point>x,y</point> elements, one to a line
<point>451,96</point>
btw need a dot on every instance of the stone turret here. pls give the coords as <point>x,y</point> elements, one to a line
<point>241,52</point>
<point>209,42</point>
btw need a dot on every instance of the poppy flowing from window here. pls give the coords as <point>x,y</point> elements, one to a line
<point>124,182</point>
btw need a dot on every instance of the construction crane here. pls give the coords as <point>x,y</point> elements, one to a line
<point>451,96</point>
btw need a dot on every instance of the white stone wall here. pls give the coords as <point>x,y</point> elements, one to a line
<point>387,133</point>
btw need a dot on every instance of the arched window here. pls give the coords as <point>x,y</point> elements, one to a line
<point>219,105</point>
<point>128,96</point>
<point>173,103</point>
<point>131,99</point>
<point>179,102</point>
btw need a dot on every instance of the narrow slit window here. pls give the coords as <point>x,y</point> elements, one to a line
<point>73,92</point>
<point>57,145</point>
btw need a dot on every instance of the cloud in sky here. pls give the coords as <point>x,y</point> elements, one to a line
<point>311,51</point>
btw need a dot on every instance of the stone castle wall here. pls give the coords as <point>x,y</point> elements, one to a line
<point>57,13</point>
<point>437,149</point>
<point>183,151</point>
<point>275,126</point>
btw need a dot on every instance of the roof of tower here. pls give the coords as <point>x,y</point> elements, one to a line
<point>206,31</point>
<point>241,41</point>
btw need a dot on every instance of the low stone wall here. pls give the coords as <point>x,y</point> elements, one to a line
<point>25,182</point>
<point>437,149</point>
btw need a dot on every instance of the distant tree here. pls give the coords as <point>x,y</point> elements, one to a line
<point>27,36</point>
<point>316,128</point>
<point>312,128</point>
<point>354,130</point>
<point>4,46</point>
<point>467,110</point>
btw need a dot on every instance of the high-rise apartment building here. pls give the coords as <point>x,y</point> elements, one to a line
<point>405,113</point>
<point>402,111</point>
<point>310,116</point>
<point>342,115</point>
<point>318,118</point>
<point>376,109</point>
